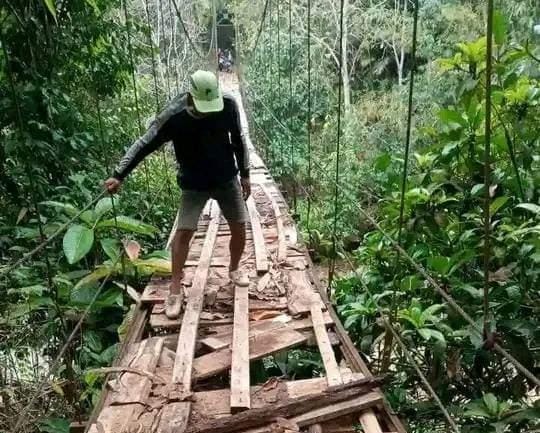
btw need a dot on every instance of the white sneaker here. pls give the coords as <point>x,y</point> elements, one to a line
<point>173,305</point>
<point>239,278</point>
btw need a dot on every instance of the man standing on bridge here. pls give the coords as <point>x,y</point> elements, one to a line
<point>210,150</point>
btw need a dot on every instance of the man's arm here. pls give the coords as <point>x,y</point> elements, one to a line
<point>240,149</point>
<point>158,133</point>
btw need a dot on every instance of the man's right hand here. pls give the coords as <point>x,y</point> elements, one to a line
<point>112,185</point>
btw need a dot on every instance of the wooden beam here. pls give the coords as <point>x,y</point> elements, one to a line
<point>261,253</point>
<point>134,387</point>
<point>260,346</point>
<point>300,293</point>
<point>295,408</point>
<point>240,397</point>
<point>333,375</point>
<point>175,416</point>
<point>282,242</point>
<point>195,297</point>
<point>369,422</point>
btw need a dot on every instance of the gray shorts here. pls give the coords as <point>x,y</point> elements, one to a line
<point>228,196</point>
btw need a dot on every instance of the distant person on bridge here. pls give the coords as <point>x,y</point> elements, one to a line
<point>204,126</point>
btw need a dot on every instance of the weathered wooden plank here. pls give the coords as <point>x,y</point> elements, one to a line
<point>224,339</point>
<point>116,419</point>
<point>282,242</point>
<point>240,398</point>
<point>263,282</point>
<point>294,408</point>
<point>340,409</point>
<point>260,346</point>
<point>261,253</point>
<point>174,417</point>
<point>300,292</point>
<point>134,387</point>
<point>369,422</point>
<point>333,375</point>
<point>195,297</point>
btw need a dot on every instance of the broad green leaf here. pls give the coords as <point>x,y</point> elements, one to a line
<point>453,119</point>
<point>531,207</point>
<point>92,278</point>
<point>497,204</point>
<point>78,241</point>
<point>111,247</point>
<point>103,206</point>
<point>88,217</point>
<point>439,264</point>
<point>499,27</point>
<point>66,207</point>
<point>150,266</point>
<point>491,403</point>
<point>477,189</point>
<point>54,425</point>
<point>129,224</point>
<point>51,6</point>
<point>410,283</point>
<point>382,162</point>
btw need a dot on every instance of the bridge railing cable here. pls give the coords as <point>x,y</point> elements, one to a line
<point>387,323</point>
<point>323,172</point>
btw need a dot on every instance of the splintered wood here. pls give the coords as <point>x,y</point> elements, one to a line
<point>192,374</point>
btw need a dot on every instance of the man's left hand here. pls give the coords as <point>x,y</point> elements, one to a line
<point>246,187</point>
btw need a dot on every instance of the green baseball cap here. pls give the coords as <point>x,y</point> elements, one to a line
<point>205,91</point>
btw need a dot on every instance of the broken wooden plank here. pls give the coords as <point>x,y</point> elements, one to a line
<point>260,346</point>
<point>134,387</point>
<point>195,297</point>
<point>174,417</point>
<point>282,242</point>
<point>240,398</point>
<point>115,419</point>
<point>333,375</point>
<point>293,408</point>
<point>300,293</point>
<point>339,409</point>
<point>261,253</point>
<point>263,282</point>
<point>224,339</point>
<point>369,422</point>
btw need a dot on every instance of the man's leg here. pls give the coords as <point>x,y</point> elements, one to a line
<point>229,198</point>
<point>180,250</point>
<point>191,205</point>
<point>237,244</point>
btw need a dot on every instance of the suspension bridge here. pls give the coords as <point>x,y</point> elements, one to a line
<point>193,374</point>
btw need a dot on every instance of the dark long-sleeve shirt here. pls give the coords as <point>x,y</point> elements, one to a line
<point>209,150</point>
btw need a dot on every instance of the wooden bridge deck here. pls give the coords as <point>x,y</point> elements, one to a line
<point>193,374</point>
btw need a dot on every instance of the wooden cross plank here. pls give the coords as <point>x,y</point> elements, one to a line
<point>224,339</point>
<point>261,253</point>
<point>260,346</point>
<point>240,398</point>
<point>333,375</point>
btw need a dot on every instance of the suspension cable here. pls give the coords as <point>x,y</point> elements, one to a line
<point>173,41</point>
<point>488,335</point>
<point>186,32</point>
<point>308,117</point>
<point>259,32</point>
<point>22,418</point>
<point>291,147</point>
<point>153,59</point>
<point>417,266</point>
<point>331,268</point>
<point>388,325</point>
<point>167,78</point>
